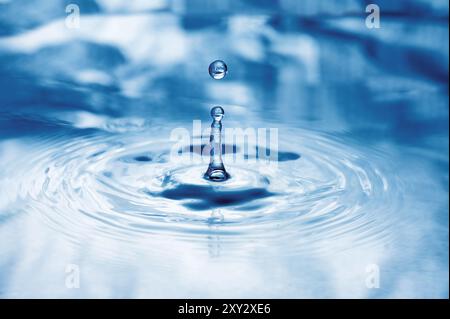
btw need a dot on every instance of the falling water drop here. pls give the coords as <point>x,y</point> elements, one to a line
<point>218,69</point>
<point>216,170</point>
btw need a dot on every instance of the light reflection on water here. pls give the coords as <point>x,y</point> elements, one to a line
<point>362,177</point>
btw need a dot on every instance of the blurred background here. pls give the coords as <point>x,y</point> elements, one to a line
<point>302,63</point>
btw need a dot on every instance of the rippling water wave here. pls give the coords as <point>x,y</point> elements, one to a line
<point>126,187</point>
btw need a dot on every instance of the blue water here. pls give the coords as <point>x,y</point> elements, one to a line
<point>356,206</point>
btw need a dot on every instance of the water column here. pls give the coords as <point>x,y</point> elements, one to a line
<point>216,170</point>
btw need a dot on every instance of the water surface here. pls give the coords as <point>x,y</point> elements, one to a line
<point>87,180</point>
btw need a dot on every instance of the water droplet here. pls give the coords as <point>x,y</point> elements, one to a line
<point>218,69</point>
<point>217,113</point>
<point>216,170</point>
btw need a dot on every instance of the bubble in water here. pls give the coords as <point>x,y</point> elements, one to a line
<point>216,170</point>
<point>218,69</point>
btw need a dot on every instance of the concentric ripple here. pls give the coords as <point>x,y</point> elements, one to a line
<point>324,195</point>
